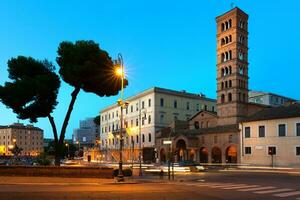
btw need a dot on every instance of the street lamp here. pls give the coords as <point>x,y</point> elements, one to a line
<point>67,145</point>
<point>78,142</point>
<point>123,104</point>
<point>141,118</point>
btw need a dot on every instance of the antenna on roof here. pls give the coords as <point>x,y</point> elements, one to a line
<point>232,5</point>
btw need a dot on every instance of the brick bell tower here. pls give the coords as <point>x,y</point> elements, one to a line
<point>232,66</point>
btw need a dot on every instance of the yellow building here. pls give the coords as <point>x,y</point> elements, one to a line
<point>28,138</point>
<point>271,137</point>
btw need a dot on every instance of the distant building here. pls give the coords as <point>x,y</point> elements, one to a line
<point>28,138</point>
<point>269,99</point>
<point>157,107</point>
<point>87,133</point>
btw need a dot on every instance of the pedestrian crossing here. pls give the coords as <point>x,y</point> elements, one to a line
<point>254,188</point>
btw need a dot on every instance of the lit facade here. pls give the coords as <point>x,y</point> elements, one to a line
<point>28,138</point>
<point>154,109</point>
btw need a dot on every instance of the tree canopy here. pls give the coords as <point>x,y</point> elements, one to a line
<point>84,65</point>
<point>33,90</point>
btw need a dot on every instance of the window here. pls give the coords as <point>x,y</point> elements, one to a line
<point>149,102</point>
<point>131,123</point>
<point>298,129</point>
<point>297,151</point>
<point>143,138</point>
<point>247,132</point>
<point>143,104</point>
<point>281,130</point>
<point>137,122</point>
<point>149,137</point>
<point>196,125</point>
<point>149,119</point>
<point>205,107</point>
<point>161,102</point>
<point>247,150</point>
<point>161,118</point>
<point>229,97</point>
<point>197,107</point>
<point>187,105</point>
<point>136,107</point>
<point>175,103</point>
<point>213,109</point>
<point>131,108</point>
<point>261,131</point>
<point>137,139</point>
<point>271,150</point>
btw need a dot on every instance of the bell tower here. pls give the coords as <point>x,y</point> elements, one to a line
<point>232,66</point>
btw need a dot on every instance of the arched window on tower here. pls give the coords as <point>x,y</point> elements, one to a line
<point>230,83</point>
<point>230,23</point>
<point>229,97</point>
<point>241,70</point>
<point>226,84</point>
<point>230,55</point>
<point>230,38</point>
<point>222,72</point>
<point>222,98</point>
<point>226,40</point>
<point>222,41</point>
<point>226,56</point>
<point>241,55</point>
<point>222,27</point>
<point>230,70</point>
<point>223,57</point>
<point>222,85</point>
<point>226,25</point>
<point>226,71</point>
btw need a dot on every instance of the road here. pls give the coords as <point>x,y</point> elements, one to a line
<point>198,186</point>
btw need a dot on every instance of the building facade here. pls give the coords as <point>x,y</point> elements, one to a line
<point>269,99</point>
<point>147,113</point>
<point>29,138</point>
<point>87,134</point>
<point>271,137</point>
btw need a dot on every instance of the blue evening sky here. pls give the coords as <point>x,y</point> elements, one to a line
<point>165,43</point>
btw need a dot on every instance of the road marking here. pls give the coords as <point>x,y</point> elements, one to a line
<point>287,194</point>
<point>274,191</point>
<point>256,189</point>
<point>241,187</point>
<point>223,186</point>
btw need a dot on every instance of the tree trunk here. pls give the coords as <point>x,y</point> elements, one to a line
<point>57,149</point>
<point>67,118</point>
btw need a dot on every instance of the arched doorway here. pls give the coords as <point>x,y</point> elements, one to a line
<point>231,154</point>
<point>203,155</point>
<point>216,155</point>
<point>162,156</point>
<point>181,148</point>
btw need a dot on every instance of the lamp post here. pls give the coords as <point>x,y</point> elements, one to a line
<point>67,145</point>
<point>142,118</point>
<point>78,143</point>
<point>123,104</point>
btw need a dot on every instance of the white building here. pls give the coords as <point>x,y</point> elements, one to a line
<point>87,133</point>
<point>158,108</point>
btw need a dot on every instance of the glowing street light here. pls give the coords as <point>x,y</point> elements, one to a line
<point>123,104</point>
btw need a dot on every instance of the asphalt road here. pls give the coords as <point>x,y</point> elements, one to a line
<point>200,186</point>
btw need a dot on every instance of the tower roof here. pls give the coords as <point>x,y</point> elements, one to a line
<point>235,9</point>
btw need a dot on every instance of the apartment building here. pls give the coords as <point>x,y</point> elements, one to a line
<point>27,137</point>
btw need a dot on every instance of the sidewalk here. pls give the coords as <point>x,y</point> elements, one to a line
<point>295,171</point>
